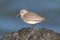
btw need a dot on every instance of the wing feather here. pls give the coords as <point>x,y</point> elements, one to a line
<point>32,16</point>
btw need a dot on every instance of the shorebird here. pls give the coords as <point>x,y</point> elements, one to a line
<point>30,17</point>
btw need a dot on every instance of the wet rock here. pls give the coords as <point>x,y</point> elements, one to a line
<point>33,34</point>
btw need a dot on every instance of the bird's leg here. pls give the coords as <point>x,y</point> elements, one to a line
<point>33,25</point>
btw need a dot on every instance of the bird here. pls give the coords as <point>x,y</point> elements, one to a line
<point>30,17</point>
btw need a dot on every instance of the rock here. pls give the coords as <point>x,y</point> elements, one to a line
<point>33,34</point>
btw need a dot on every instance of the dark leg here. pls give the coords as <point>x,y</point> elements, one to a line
<point>33,25</point>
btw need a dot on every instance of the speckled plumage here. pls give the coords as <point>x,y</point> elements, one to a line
<point>31,17</point>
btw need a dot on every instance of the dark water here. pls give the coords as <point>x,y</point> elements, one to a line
<point>46,8</point>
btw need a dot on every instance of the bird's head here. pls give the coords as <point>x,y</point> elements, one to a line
<point>23,12</point>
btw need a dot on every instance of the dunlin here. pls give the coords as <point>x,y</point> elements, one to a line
<point>30,17</point>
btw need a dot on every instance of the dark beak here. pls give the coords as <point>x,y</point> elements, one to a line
<point>17,15</point>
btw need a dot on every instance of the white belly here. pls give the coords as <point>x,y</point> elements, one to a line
<point>32,22</point>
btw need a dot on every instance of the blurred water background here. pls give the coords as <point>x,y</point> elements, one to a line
<point>49,9</point>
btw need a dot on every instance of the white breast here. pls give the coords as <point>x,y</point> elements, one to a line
<point>32,22</point>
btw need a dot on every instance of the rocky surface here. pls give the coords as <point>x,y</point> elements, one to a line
<point>33,34</point>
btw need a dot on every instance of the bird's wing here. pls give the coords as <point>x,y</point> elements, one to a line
<point>32,16</point>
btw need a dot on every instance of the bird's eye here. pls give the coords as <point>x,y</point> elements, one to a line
<point>22,12</point>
